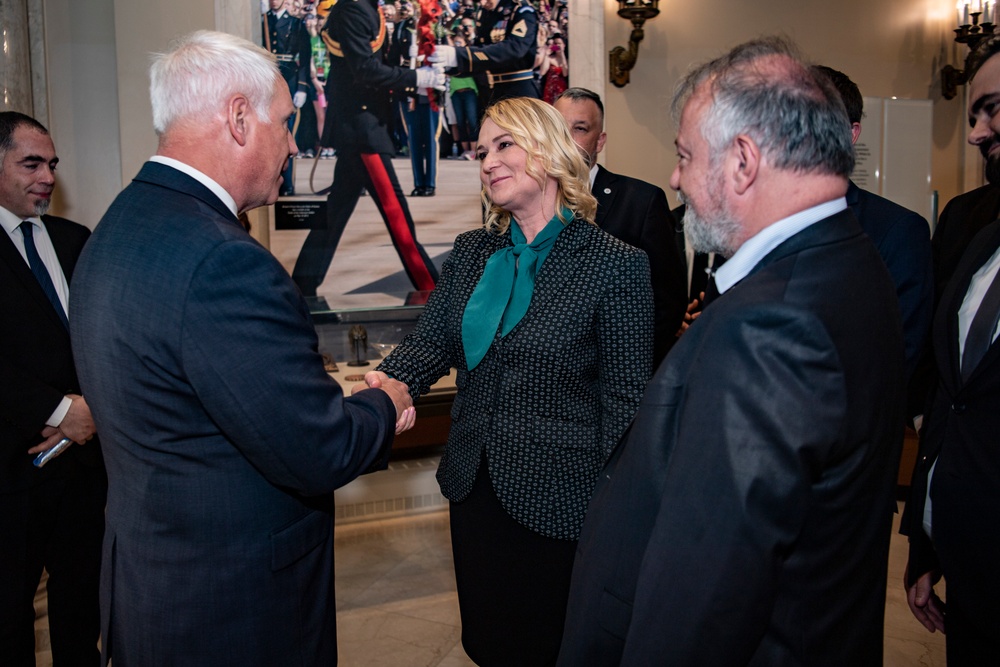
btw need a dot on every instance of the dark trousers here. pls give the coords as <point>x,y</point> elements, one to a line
<point>287,184</point>
<point>375,173</point>
<point>59,526</point>
<point>423,124</point>
<point>466,108</point>
<point>513,583</point>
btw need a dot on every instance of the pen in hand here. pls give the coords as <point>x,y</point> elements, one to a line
<point>49,454</point>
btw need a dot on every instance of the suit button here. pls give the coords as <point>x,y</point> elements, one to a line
<point>958,408</point>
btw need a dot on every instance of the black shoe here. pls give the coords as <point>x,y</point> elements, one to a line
<point>428,192</point>
<point>417,192</point>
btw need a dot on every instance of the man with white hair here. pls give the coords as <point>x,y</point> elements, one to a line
<point>225,436</point>
<point>745,517</point>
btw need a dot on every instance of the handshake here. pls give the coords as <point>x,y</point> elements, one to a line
<point>406,414</point>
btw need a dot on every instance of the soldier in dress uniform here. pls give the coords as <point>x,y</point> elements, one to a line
<point>503,53</point>
<point>357,126</point>
<point>287,38</point>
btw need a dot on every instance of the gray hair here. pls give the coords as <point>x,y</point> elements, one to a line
<point>764,89</point>
<point>202,70</point>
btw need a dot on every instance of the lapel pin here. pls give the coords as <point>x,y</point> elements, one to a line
<point>607,191</point>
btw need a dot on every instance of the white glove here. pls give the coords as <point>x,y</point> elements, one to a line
<point>299,99</point>
<point>431,77</point>
<point>414,49</point>
<point>444,55</point>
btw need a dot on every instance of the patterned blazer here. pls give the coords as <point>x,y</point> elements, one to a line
<point>550,400</point>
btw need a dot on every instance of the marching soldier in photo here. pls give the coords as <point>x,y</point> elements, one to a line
<point>287,38</point>
<point>503,53</point>
<point>357,126</point>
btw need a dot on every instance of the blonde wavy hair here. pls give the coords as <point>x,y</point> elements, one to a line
<point>542,132</point>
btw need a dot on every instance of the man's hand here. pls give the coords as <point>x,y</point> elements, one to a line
<point>690,315</point>
<point>299,99</point>
<point>431,77</point>
<point>444,55</point>
<point>406,414</point>
<point>926,606</point>
<point>52,437</point>
<point>77,425</point>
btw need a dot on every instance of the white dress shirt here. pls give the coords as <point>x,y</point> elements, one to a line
<point>202,178</point>
<point>756,247</point>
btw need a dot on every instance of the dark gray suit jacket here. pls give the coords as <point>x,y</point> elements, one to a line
<point>224,437</point>
<point>745,517</point>
<point>637,213</point>
<point>551,399</point>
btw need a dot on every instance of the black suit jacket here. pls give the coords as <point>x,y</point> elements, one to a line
<point>550,399</point>
<point>637,213</point>
<point>960,432</point>
<point>36,362</point>
<point>745,517</point>
<point>224,437</point>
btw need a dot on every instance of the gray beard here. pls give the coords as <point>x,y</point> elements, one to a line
<point>716,236</point>
<point>42,207</point>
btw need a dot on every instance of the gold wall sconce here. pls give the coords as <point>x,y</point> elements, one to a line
<point>970,32</point>
<point>622,59</point>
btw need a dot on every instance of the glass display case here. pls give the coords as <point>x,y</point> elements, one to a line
<point>354,340</point>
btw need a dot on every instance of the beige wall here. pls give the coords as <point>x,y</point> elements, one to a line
<point>896,49</point>
<point>97,55</point>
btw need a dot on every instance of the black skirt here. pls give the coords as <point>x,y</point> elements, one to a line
<point>513,583</point>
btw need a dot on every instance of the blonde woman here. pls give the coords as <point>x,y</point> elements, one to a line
<point>549,323</point>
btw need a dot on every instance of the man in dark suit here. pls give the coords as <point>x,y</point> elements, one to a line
<point>357,126</point>
<point>52,517</point>
<point>635,212</point>
<point>901,236</point>
<point>224,437</point>
<point>501,55</point>
<point>954,502</point>
<point>287,38</point>
<point>745,517</point>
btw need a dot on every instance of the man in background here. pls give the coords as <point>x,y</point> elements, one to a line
<point>50,517</point>
<point>224,436</point>
<point>902,237</point>
<point>357,127</point>
<point>286,37</point>
<point>954,504</point>
<point>634,211</point>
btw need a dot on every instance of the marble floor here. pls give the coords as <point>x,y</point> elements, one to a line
<point>397,605</point>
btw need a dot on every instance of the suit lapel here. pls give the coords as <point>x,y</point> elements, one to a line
<point>980,250</point>
<point>559,266</point>
<point>606,191</point>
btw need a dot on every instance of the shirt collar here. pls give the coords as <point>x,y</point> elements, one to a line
<point>758,246</point>
<point>593,175</point>
<point>11,222</point>
<point>202,178</point>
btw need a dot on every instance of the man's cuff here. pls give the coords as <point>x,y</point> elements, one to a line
<point>59,413</point>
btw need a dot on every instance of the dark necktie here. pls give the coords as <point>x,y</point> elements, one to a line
<point>711,291</point>
<point>41,273</point>
<point>980,335</point>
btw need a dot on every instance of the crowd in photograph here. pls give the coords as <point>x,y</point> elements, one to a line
<point>458,25</point>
